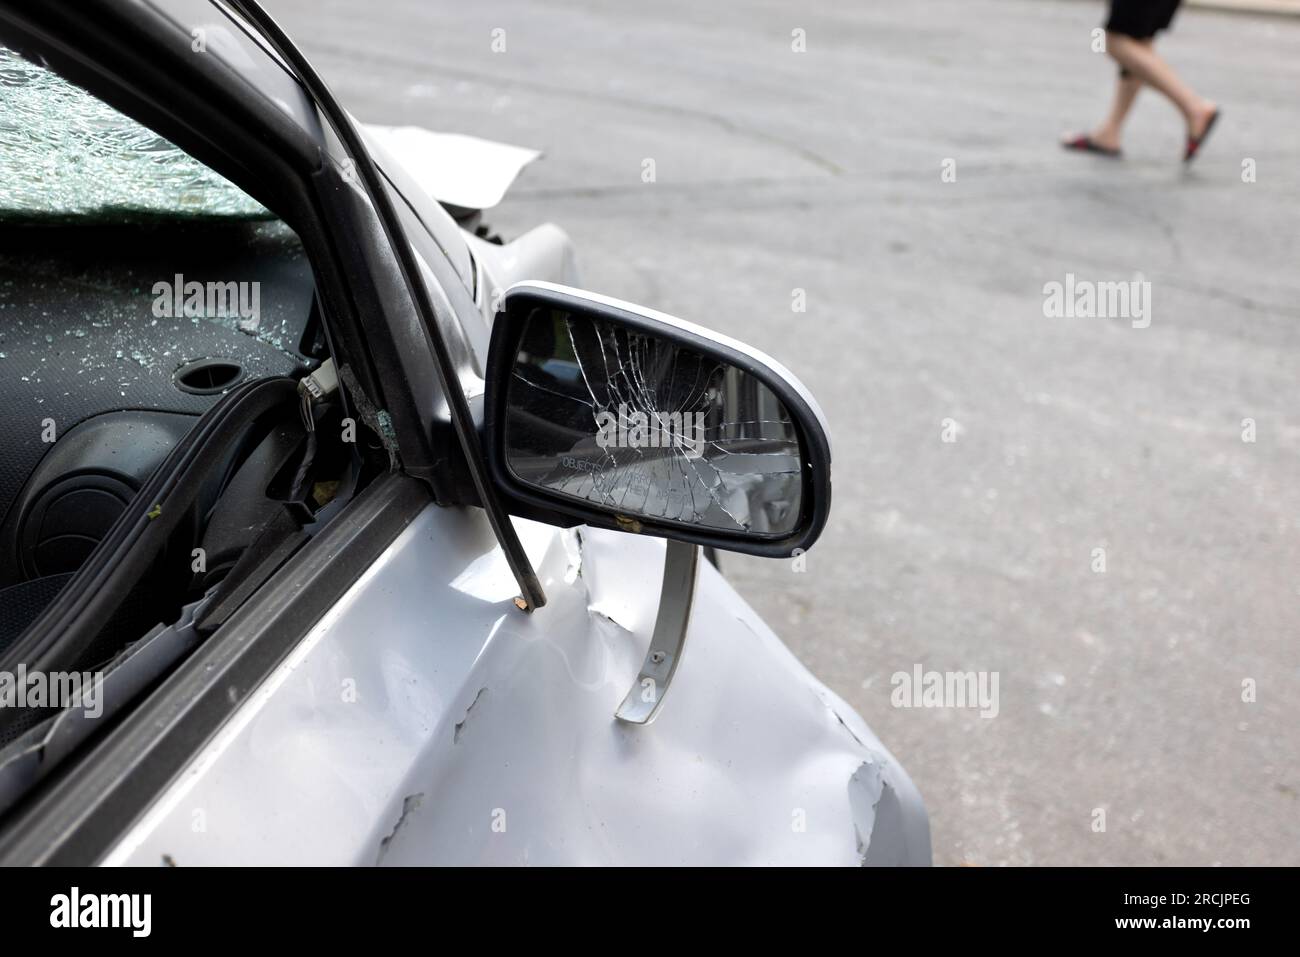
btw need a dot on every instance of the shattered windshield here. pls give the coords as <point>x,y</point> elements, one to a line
<point>611,416</point>
<point>68,156</point>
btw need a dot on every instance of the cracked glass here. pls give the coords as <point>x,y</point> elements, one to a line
<point>70,157</point>
<point>611,416</point>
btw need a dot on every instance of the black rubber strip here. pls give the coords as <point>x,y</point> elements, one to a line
<point>135,540</point>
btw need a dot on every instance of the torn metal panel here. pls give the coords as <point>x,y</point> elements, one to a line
<point>460,725</point>
<point>410,804</point>
<point>889,823</point>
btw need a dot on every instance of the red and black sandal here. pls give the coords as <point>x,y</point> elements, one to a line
<point>1085,144</point>
<point>1194,143</point>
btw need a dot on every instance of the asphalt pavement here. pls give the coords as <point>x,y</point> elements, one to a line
<point>902,172</point>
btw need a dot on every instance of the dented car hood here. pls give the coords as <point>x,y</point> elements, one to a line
<point>455,169</point>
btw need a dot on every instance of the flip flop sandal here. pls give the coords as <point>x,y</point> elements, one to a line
<point>1084,144</point>
<point>1194,142</point>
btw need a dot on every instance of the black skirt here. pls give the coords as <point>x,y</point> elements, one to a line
<point>1141,19</point>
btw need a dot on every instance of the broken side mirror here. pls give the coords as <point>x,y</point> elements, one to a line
<point>604,413</point>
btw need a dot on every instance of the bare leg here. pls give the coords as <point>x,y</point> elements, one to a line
<point>1141,59</point>
<point>1126,91</point>
<point>1107,135</point>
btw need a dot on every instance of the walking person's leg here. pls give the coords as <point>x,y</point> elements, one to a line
<point>1130,31</point>
<point>1105,138</point>
<point>1141,60</point>
<point>1126,91</point>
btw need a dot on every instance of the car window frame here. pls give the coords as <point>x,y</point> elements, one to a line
<point>296,170</point>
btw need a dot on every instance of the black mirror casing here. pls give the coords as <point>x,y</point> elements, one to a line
<point>527,500</point>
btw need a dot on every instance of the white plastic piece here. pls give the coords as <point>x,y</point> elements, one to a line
<point>321,383</point>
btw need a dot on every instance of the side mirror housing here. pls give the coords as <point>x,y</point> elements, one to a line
<point>603,413</point>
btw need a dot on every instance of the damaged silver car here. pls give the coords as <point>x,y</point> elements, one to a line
<point>336,530</point>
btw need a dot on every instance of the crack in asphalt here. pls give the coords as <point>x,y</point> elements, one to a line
<point>424,68</point>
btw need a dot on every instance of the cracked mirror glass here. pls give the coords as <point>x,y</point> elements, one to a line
<point>634,423</point>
